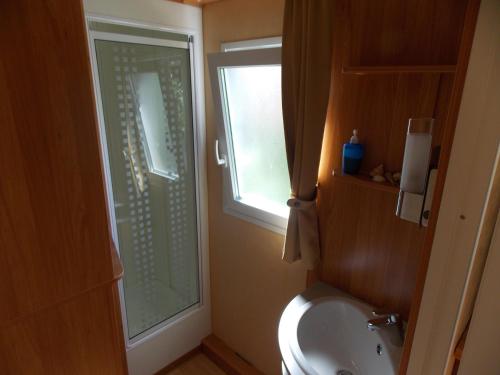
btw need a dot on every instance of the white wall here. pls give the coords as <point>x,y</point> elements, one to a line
<point>162,347</point>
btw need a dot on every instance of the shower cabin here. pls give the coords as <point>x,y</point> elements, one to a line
<point>148,87</point>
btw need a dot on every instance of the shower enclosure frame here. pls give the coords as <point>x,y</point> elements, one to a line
<point>195,47</point>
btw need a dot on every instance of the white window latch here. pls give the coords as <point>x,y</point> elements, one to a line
<point>222,161</point>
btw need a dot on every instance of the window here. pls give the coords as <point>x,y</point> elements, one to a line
<point>154,125</point>
<point>246,84</point>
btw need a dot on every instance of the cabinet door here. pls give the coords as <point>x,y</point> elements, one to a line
<point>79,337</point>
<point>54,235</point>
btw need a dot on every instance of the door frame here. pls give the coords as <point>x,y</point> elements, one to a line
<point>480,352</point>
<point>146,344</point>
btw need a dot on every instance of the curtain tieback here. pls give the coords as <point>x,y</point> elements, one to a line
<point>300,204</point>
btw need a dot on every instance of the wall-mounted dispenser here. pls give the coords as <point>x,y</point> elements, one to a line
<point>414,175</point>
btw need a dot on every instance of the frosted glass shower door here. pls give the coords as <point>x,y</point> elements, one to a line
<point>146,102</point>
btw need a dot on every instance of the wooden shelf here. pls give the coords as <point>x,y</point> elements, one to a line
<point>398,69</point>
<point>365,181</point>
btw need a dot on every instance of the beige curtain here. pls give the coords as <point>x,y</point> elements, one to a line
<point>306,70</point>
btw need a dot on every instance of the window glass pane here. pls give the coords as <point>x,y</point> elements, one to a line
<point>253,97</point>
<point>146,86</point>
<point>156,130</point>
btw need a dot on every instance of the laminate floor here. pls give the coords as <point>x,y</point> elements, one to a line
<point>199,364</point>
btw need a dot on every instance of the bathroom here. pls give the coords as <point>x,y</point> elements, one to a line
<point>228,186</point>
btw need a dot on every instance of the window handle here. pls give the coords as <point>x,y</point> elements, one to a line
<point>222,161</point>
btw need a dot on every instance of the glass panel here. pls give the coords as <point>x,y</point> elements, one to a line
<point>155,127</point>
<point>253,99</point>
<point>146,97</point>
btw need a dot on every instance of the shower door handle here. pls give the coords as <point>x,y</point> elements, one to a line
<point>222,161</point>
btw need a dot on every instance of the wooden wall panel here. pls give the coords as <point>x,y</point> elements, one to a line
<point>454,96</point>
<point>53,223</point>
<point>441,108</point>
<point>411,32</point>
<point>416,96</point>
<point>59,311</point>
<point>365,249</point>
<point>80,337</point>
<point>379,106</point>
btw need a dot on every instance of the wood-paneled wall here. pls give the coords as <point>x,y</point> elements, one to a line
<point>58,308</point>
<point>393,60</point>
<point>409,32</point>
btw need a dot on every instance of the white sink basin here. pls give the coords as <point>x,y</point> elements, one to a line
<point>324,332</point>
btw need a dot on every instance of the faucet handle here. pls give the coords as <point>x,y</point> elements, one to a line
<point>391,316</point>
<point>384,320</point>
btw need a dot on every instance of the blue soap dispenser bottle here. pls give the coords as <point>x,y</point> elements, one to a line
<point>352,155</point>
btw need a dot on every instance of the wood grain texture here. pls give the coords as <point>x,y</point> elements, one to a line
<point>410,32</point>
<point>80,337</point>
<point>226,358</point>
<point>366,250</point>
<point>398,69</point>
<point>198,364</point>
<point>379,107</point>
<point>451,116</point>
<point>365,181</point>
<point>59,310</point>
<point>53,223</point>
<point>179,361</point>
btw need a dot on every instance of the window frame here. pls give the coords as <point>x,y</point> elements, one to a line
<point>252,44</point>
<point>239,57</point>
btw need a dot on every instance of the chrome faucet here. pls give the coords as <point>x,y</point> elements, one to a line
<point>383,320</point>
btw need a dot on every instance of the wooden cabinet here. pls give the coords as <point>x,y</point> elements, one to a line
<point>392,60</point>
<point>387,68</point>
<point>79,336</point>
<point>58,307</point>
